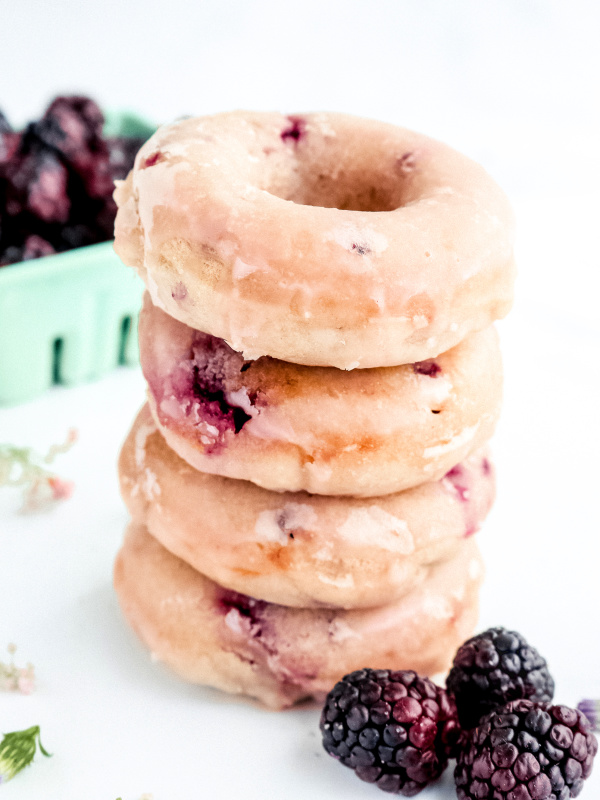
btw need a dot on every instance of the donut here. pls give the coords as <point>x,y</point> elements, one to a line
<point>288,427</point>
<point>297,549</point>
<point>320,239</point>
<point>280,655</point>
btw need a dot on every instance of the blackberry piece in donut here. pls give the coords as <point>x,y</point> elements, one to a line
<point>280,655</point>
<point>288,427</point>
<point>299,549</point>
<point>319,239</point>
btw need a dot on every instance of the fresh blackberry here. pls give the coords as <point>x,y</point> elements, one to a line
<point>72,127</point>
<point>56,180</point>
<point>493,668</point>
<point>5,126</point>
<point>36,247</point>
<point>9,142</point>
<point>526,751</point>
<point>394,729</point>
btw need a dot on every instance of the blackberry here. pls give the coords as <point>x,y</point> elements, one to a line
<point>5,126</point>
<point>493,668</point>
<point>36,247</point>
<point>9,142</point>
<point>393,728</point>
<point>526,751</point>
<point>72,127</point>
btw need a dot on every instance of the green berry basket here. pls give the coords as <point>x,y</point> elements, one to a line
<point>70,317</point>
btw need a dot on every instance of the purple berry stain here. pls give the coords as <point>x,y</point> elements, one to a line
<point>406,162</point>
<point>256,622</point>
<point>430,368</point>
<point>153,159</point>
<point>295,131</point>
<point>245,606</point>
<point>179,291</point>
<point>457,478</point>
<point>460,481</point>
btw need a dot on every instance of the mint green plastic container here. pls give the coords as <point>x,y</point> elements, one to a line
<point>70,317</point>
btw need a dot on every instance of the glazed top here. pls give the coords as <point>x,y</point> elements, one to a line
<point>321,239</point>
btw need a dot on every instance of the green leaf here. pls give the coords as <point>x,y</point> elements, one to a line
<point>17,750</point>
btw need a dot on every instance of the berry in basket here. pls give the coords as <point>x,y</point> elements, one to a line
<point>56,180</point>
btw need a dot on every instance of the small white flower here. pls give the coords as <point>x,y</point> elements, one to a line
<point>21,467</point>
<point>16,679</point>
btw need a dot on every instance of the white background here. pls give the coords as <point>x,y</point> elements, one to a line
<point>515,85</point>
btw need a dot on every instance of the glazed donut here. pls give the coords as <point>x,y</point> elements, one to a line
<point>280,655</point>
<point>299,549</point>
<point>287,427</point>
<point>321,239</point>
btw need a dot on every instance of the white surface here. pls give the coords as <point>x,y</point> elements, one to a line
<point>513,84</point>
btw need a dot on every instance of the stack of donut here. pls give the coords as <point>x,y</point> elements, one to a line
<point>323,377</point>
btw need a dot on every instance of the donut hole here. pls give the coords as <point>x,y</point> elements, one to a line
<point>339,192</point>
<point>352,170</point>
<point>344,189</point>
